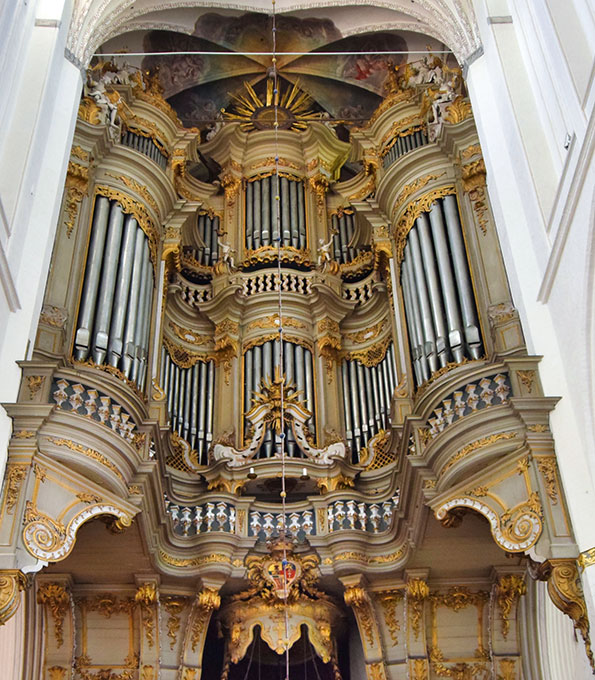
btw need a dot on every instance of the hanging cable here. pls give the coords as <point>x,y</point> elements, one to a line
<point>280,340</point>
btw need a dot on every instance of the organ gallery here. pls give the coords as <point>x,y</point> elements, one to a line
<point>280,419</point>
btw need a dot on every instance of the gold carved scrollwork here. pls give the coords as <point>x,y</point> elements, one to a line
<point>12,581</point>
<point>34,383</point>
<point>15,475</point>
<point>475,446</point>
<point>89,111</point>
<point>174,606</point>
<point>417,593</point>
<point>357,598</point>
<point>412,212</point>
<point>57,600</point>
<point>473,176</point>
<point>207,601</point>
<point>371,356</point>
<point>140,189</point>
<point>458,111</point>
<point>319,184</point>
<point>146,597</point>
<point>566,592</point>
<point>409,189</point>
<point>368,334</point>
<point>508,591</point>
<point>77,184</point>
<point>548,468</point>
<point>389,601</point>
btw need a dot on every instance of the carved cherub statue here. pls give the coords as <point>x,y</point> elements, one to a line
<point>324,252</point>
<point>226,252</point>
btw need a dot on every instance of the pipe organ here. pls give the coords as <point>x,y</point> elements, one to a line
<point>145,145</point>
<point>190,394</point>
<point>208,234</point>
<point>261,212</point>
<point>343,230</point>
<point>259,365</point>
<point>403,143</point>
<point>439,301</point>
<point>114,317</point>
<point>367,397</point>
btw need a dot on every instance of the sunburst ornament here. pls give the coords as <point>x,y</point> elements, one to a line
<point>270,396</point>
<point>293,108</point>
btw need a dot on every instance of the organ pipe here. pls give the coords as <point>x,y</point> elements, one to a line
<point>261,209</point>
<point>146,146</point>
<point>439,303</point>
<point>367,397</point>
<point>404,144</point>
<point>190,402</point>
<point>113,324</point>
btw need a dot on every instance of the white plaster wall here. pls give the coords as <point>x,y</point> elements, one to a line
<point>36,131</point>
<point>528,93</point>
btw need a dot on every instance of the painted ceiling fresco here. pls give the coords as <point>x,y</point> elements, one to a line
<point>342,87</point>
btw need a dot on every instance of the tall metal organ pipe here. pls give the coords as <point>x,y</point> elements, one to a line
<point>343,228</point>
<point>261,210</point>
<point>114,318</point>
<point>438,296</point>
<point>208,235</point>
<point>259,363</point>
<point>367,399</point>
<point>190,394</point>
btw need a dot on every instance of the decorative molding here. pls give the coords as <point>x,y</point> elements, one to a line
<point>174,606</point>
<point>15,474</point>
<point>417,591</point>
<point>207,601</point>
<point>12,582</point>
<point>508,591</point>
<point>146,597</point>
<point>57,600</point>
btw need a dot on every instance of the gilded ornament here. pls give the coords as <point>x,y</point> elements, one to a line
<point>34,383</point>
<point>78,152</point>
<point>90,453</point>
<point>470,151</point>
<point>366,191</point>
<point>507,669</point>
<point>539,427</point>
<point>39,472</point>
<point>272,321</point>
<point>459,597</point>
<point>357,598</point>
<point>282,162</point>
<point>295,339</point>
<point>527,378</point>
<point>231,186</point>
<point>140,189</point>
<point>372,355</point>
<point>89,498</point>
<point>547,467</point>
<point>587,558</point>
<point>566,592</point>
<point>76,186</point>
<point>379,446</point>
<point>402,127</point>
<point>375,671</point>
<point>15,474</point>
<point>207,601</point>
<point>146,597</point>
<point>368,334</point>
<point>417,592</point>
<point>57,600</point>
<point>508,591</point>
<point>189,336</point>
<point>419,669</point>
<point>150,91</point>
<point>409,189</point>
<point>112,370</point>
<point>107,604</point>
<point>53,316</point>
<point>429,484</point>
<point>12,582</point>
<point>23,434</point>
<point>57,673</point>
<point>389,601</point>
<point>174,606</point>
<point>212,558</point>
<point>189,674</point>
<point>89,111</point>
<point>319,185</point>
<point>270,254</point>
<point>458,111</point>
<point>475,446</point>
<point>157,393</point>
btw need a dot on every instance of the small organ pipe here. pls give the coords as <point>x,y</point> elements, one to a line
<point>146,334</point>
<point>355,405</point>
<point>346,400</point>
<point>285,206</point>
<point>194,410</point>
<point>310,389</point>
<point>369,398</point>
<point>293,217</point>
<point>202,405</point>
<point>187,403</point>
<point>214,240</point>
<point>435,293</point>
<point>411,325</point>
<point>138,330</point>
<point>376,397</point>
<point>429,346</point>
<point>301,216</point>
<point>91,286</point>
<point>210,403</point>
<point>455,339</point>
<point>463,279</point>
<point>382,395</point>
<point>108,283</point>
<point>336,241</point>
<point>133,303</point>
<point>363,405</point>
<point>267,360</point>
<point>266,205</point>
<point>249,215</point>
<point>260,236</point>
<point>248,383</point>
<point>416,316</point>
<point>343,238</point>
